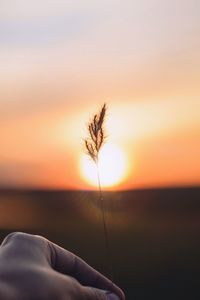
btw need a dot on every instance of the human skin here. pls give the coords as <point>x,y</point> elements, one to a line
<point>33,268</point>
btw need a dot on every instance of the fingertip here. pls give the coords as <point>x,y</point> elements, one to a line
<point>99,294</point>
<point>111,296</point>
<point>117,292</point>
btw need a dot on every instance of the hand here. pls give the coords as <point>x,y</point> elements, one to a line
<point>33,268</point>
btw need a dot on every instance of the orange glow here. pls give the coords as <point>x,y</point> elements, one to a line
<point>44,150</point>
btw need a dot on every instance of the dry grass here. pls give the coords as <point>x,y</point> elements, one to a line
<point>93,143</point>
<point>96,134</point>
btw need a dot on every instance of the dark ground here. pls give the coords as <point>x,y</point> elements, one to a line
<point>154,235</point>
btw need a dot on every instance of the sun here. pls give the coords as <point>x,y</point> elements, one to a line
<point>112,166</point>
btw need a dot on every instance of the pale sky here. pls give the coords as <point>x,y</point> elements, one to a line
<point>60,60</point>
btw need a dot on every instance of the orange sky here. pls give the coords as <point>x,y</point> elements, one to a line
<point>59,64</point>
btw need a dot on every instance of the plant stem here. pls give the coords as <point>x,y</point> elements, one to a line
<point>107,245</point>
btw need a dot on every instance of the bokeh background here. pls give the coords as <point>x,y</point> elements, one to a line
<point>59,61</point>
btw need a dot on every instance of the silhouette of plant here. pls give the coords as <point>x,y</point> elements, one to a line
<point>96,134</point>
<point>93,143</point>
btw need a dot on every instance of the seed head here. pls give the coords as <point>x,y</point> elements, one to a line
<point>96,134</point>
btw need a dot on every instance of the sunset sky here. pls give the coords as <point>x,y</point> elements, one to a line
<point>61,60</point>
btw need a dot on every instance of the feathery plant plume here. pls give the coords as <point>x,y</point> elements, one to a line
<point>96,134</point>
<point>93,143</point>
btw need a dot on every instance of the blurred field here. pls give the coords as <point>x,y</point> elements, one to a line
<point>154,234</point>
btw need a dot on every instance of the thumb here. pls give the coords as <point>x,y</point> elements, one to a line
<point>97,294</point>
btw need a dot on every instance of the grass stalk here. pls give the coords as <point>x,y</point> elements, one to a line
<point>107,244</point>
<point>93,143</point>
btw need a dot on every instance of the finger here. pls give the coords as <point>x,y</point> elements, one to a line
<point>27,247</point>
<point>97,294</point>
<point>67,263</point>
<point>74,290</point>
